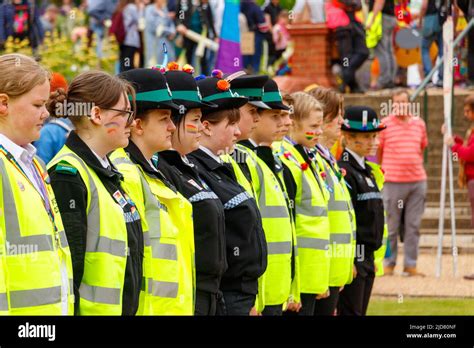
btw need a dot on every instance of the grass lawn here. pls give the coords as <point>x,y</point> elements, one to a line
<point>420,306</point>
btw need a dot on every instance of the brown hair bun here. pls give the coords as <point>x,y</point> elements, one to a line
<point>56,98</point>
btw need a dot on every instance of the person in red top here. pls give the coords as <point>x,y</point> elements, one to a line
<point>465,154</point>
<point>401,156</point>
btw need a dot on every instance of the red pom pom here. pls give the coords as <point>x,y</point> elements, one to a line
<point>217,73</point>
<point>304,166</point>
<point>343,171</point>
<point>173,66</point>
<point>223,85</point>
<point>188,69</point>
<point>323,175</point>
<point>287,154</point>
<point>160,68</point>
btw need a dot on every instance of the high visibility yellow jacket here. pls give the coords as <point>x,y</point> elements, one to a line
<point>102,284</point>
<point>168,265</point>
<point>379,254</point>
<point>311,221</point>
<point>279,232</point>
<point>341,222</point>
<point>35,261</point>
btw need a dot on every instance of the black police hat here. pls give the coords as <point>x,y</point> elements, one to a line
<point>152,91</point>
<point>272,96</point>
<point>218,91</point>
<point>251,87</point>
<point>361,119</point>
<point>185,90</point>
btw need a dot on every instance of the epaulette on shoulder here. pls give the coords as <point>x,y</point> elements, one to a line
<point>65,168</point>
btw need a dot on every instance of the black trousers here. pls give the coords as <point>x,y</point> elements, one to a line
<point>275,310</point>
<point>209,304</point>
<point>327,306</point>
<point>308,303</point>
<point>238,303</point>
<point>352,51</point>
<point>354,298</point>
<point>127,54</point>
<point>190,48</point>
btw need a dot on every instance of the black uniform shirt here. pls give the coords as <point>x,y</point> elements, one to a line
<point>368,207</point>
<point>71,196</point>
<point>245,241</point>
<point>208,217</point>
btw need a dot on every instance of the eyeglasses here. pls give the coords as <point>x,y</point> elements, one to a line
<point>130,117</point>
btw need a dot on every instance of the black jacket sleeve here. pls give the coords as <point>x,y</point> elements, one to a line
<point>71,196</point>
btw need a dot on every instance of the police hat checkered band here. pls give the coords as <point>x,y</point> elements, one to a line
<point>202,196</point>
<point>240,198</point>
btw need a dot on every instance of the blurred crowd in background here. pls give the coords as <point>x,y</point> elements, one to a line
<point>397,40</point>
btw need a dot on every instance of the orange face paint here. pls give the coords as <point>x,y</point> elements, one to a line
<point>112,127</point>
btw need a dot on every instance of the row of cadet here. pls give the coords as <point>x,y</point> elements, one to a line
<point>177,195</point>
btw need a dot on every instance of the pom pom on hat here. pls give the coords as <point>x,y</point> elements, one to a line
<point>173,66</point>
<point>200,77</point>
<point>188,69</point>
<point>223,85</point>
<point>217,73</point>
<point>57,81</point>
<point>160,68</point>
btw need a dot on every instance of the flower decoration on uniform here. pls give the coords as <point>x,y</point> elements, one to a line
<point>287,154</point>
<point>200,77</point>
<point>343,171</point>
<point>188,69</point>
<point>381,125</point>
<point>323,175</point>
<point>223,85</point>
<point>160,68</point>
<point>217,73</point>
<point>375,123</point>
<point>173,66</point>
<point>346,123</point>
<point>304,166</point>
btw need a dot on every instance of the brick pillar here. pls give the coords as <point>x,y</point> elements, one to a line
<point>310,62</point>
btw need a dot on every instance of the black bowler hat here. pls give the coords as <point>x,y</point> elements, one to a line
<point>361,119</point>
<point>272,96</point>
<point>217,91</point>
<point>251,87</point>
<point>185,90</point>
<point>152,90</point>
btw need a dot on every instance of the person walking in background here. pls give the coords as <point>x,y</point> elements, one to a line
<point>196,15</point>
<point>281,36</point>
<point>256,22</point>
<point>467,7</point>
<point>159,30</point>
<point>272,10</point>
<point>464,150</point>
<point>20,19</point>
<point>401,156</point>
<point>50,19</point>
<point>99,12</point>
<point>431,21</point>
<point>350,39</point>
<point>384,49</point>
<point>131,12</point>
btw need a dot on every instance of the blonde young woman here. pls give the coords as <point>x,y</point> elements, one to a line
<point>35,261</point>
<point>102,223</point>
<point>309,195</point>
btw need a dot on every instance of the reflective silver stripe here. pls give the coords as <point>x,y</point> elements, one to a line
<point>340,238</point>
<point>121,160</point>
<point>71,286</point>
<point>201,196</point>
<point>163,251</point>
<point>279,248</point>
<point>3,302</point>
<point>354,235</point>
<point>311,211</point>
<point>63,239</point>
<point>268,211</point>
<point>334,205</point>
<point>306,207</point>
<point>162,289</point>
<point>146,238</point>
<point>36,297</point>
<point>96,242</point>
<point>99,294</point>
<point>312,243</point>
<point>15,241</point>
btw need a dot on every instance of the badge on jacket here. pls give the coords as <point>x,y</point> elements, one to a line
<point>120,198</point>
<point>369,182</point>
